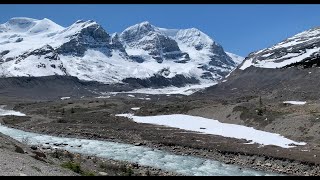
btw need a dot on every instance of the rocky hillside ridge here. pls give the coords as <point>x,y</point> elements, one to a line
<point>301,50</point>
<point>286,71</point>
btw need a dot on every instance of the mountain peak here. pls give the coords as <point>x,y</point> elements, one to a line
<point>45,25</point>
<point>85,22</point>
<point>195,32</point>
<point>193,37</point>
<point>193,29</point>
<point>21,20</point>
<point>142,27</point>
<point>30,25</point>
<point>145,23</point>
<point>20,24</point>
<point>79,21</point>
<point>79,25</point>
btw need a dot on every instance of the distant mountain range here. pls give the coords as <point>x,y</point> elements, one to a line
<point>142,53</point>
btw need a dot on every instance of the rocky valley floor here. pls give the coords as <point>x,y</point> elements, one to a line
<point>94,118</point>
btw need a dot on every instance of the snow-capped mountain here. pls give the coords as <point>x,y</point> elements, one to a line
<point>185,46</point>
<point>203,50</point>
<point>31,47</point>
<point>236,58</point>
<point>302,50</point>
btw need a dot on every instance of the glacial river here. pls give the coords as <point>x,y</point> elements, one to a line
<point>186,165</point>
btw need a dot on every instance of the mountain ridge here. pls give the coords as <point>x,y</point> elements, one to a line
<point>304,46</point>
<point>35,48</point>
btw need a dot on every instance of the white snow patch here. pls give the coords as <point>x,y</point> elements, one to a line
<point>194,123</point>
<point>136,52</point>
<point>305,150</point>
<point>148,99</point>
<point>186,90</point>
<point>65,98</point>
<point>295,102</point>
<point>246,64</point>
<point>230,73</point>
<point>267,55</point>
<point>4,112</point>
<point>290,55</point>
<point>130,95</point>
<point>103,97</point>
<point>135,108</point>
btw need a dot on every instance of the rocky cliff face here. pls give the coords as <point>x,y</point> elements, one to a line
<point>157,45</point>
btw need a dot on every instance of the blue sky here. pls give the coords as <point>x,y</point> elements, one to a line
<point>240,28</point>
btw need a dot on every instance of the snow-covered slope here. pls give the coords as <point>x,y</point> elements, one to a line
<point>203,50</point>
<point>31,47</point>
<point>302,49</point>
<point>236,58</point>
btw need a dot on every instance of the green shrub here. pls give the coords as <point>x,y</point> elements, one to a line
<point>76,167</point>
<point>87,173</point>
